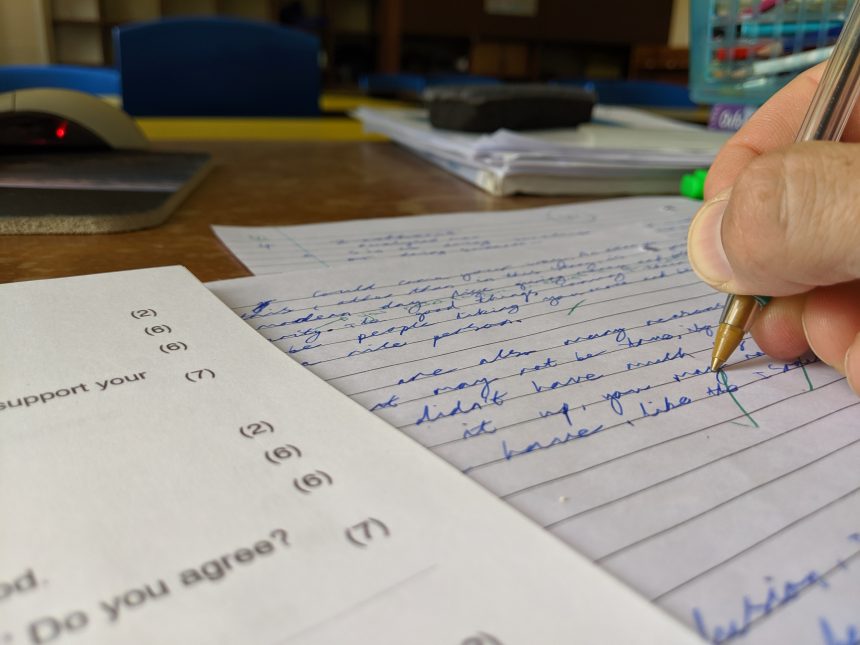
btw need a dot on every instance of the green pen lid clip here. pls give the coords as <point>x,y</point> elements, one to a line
<point>693,184</point>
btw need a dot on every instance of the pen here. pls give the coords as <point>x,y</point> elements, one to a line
<point>828,113</point>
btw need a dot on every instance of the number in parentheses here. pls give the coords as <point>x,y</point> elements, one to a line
<point>176,346</point>
<point>311,481</point>
<point>195,376</point>
<point>366,531</point>
<point>283,453</point>
<point>253,429</point>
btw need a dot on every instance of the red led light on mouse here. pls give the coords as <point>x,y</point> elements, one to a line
<point>61,129</point>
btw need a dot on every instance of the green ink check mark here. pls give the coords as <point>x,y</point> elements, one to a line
<point>572,309</point>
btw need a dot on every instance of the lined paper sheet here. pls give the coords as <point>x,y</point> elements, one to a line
<point>572,380</point>
<point>167,476</point>
<point>272,249</point>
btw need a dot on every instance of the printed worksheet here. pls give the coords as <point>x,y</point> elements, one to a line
<point>273,249</point>
<point>571,379</point>
<point>168,476</point>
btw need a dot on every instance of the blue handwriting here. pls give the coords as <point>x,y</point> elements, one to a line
<point>385,345</point>
<point>665,406</point>
<point>390,403</point>
<point>510,453</point>
<point>484,427</point>
<point>336,292</point>
<point>666,357</point>
<point>549,362</point>
<point>483,381</point>
<point>259,310</point>
<point>502,354</point>
<point>572,380</point>
<point>653,339</point>
<point>509,309</point>
<point>585,357</point>
<point>688,373</point>
<point>472,327</point>
<point>614,397</point>
<point>850,637</point>
<point>620,335</point>
<point>400,329</point>
<point>776,596</point>
<point>420,375</point>
<point>343,315</point>
<point>497,398</point>
<point>684,313</point>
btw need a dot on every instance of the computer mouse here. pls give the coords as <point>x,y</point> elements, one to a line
<point>55,119</point>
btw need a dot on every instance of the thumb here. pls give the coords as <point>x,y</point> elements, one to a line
<point>790,222</point>
<point>852,364</point>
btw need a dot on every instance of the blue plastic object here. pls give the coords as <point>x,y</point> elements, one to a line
<point>217,67</point>
<point>642,93</point>
<point>68,77</point>
<point>414,84</point>
<point>389,84</point>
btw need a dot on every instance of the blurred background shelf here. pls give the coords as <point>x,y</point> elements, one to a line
<point>80,30</point>
<point>516,40</point>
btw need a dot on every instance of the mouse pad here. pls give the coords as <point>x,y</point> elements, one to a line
<point>94,192</point>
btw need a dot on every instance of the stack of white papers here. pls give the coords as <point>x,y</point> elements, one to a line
<point>168,476</point>
<point>621,151</point>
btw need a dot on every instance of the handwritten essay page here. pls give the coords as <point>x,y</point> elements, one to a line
<point>273,249</point>
<point>167,476</point>
<point>572,381</point>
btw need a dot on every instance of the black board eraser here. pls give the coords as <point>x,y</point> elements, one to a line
<point>487,108</point>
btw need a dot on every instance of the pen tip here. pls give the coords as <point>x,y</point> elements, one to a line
<point>716,364</point>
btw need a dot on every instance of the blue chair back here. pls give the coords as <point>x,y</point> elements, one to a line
<point>68,77</point>
<point>643,93</point>
<point>217,67</point>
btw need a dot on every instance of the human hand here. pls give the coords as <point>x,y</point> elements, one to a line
<point>783,219</point>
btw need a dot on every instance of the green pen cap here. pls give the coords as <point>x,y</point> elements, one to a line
<point>693,184</point>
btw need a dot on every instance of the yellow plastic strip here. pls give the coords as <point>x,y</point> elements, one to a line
<point>348,102</point>
<point>254,129</point>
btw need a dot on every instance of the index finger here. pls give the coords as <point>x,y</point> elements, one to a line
<point>774,125</point>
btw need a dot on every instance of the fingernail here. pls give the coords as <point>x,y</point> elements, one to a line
<point>808,341</point>
<point>852,366</point>
<point>705,243</point>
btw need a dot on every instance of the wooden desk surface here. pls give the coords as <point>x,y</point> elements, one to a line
<point>259,183</point>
